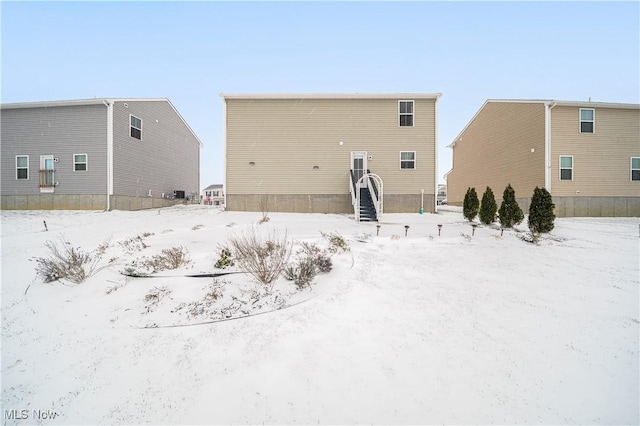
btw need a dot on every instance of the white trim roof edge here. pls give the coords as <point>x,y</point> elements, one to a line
<point>226,96</point>
<point>96,101</point>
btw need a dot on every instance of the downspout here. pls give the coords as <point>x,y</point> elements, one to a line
<point>547,144</point>
<point>435,135</point>
<point>225,190</point>
<point>109,104</point>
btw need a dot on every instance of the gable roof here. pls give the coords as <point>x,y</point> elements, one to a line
<point>95,101</point>
<point>580,104</point>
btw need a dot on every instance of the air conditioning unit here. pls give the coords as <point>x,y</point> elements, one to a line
<point>178,194</point>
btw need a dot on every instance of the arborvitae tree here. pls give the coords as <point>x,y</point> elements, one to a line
<point>471,204</point>
<point>510,212</point>
<point>541,215</point>
<point>488,207</point>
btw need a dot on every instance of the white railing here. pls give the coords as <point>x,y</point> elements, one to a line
<point>355,195</point>
<point>374,184</point>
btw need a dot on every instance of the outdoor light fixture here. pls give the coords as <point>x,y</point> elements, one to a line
<point>377,230</point>
<point>406,228</point>
<point>252,163</point>
<point>439,228</point>
<point>474,226</point>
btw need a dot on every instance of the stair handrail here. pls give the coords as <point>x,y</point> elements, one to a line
<point>354,189</point>
<point>375,185</point>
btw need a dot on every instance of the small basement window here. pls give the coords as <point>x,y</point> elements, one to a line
<point>136,127</point>
<point>407,159</point>
<point>22,167</point>
<point>405,113</point>
<point>566,167</point>
<point>635,168</point>
<point>587,120</point>
<point>79,162</point>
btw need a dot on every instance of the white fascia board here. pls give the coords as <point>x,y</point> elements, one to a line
<point>226,96</point>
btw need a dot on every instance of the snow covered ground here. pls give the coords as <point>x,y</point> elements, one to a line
<point>422,329</point>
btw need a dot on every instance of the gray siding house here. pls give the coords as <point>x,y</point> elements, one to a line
<point>97,154</point>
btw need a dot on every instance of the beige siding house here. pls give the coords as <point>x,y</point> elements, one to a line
<point>307,152</point>
<point>586,154</point>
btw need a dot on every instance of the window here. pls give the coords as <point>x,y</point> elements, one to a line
<point>405,113</point>
<point>407,159</point>
<point>136,127</point>
<point>22,167</point>
<point>587,120</point>
<point>566,167</point>
<point>79,162</point>
<point>635,168</point>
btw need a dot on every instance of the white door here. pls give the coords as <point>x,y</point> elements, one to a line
<point>47,173</point>
<point>358,164</point>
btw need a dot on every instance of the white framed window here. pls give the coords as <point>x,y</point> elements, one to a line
<point>407,159</point>
<point>22,167</point>
<point>635,168</point>
<point>136,127</point>
<point>405,113</point>
<point>587,120</point>
<point>80,162</point>
<point>566,167</point>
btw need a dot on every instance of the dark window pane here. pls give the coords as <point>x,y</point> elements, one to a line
<point>406,120</point>
<point>403,107</point>
<point>407,165</point>
<point>635,174</point>
<point>81,167</point>
<point>22,173</point>
<point>565,174</point>
<point>586,127</point>
<point>136,133</point>
<point>410,107</point>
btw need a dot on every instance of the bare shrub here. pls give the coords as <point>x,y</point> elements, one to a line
<point>154,297</point>
<point>337,243</point>
<point>319,257</point>
<point>301,273</point>
<point>171,258</point>
<point>67,262</point>
<point>264,208</point>
<point>264,257</point>
<point>134,244</point>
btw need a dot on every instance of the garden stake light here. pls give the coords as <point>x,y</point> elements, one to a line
<point>377,230</point>
<point>474,226</point>
<point>45,225</point>
<point>406,228</point>
<point>439,228</point>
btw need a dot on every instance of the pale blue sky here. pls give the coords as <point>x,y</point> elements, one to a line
<point>192,52</point>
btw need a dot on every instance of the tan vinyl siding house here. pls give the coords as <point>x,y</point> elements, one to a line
<point>580,151</point>
<point>297,150</point>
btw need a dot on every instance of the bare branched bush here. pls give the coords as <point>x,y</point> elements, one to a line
<point>68,262</point>
<point>264,208</point>
<point>301,273</point>
<point>171,258</point>
<point>264,257</point>
<point>154,297</point>
<point>337,243</point>
<point>134,244</point>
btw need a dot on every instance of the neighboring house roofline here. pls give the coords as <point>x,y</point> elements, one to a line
<point>226,96</point>
<point>96,101</point>
<point>581,104</point>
